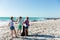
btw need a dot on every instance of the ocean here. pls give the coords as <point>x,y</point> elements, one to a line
<point>30,18</point>
<point>5,20</point>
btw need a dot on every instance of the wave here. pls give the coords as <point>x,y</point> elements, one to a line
<point>3,23</point>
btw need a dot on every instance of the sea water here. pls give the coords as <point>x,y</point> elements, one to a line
<point>4,20</point>
<point>30,18</point>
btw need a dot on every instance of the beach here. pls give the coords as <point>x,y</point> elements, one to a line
<point>46,30</point>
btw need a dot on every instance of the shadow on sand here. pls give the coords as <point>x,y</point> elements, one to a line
<point>38,37</point>
<point>46,36</point>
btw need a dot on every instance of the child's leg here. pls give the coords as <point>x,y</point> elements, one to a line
<point>12,33</point>
<point>27,32</point>
<point>19,31</point>
<point>15,33</point>
<point>19,28</point>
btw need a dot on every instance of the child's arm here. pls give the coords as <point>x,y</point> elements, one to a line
<point>16,22</point>
<point>22,23</point>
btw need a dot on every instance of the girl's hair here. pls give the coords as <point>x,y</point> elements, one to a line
<point>20,17</point>
<point>11,17</point>
<point>27,17</point>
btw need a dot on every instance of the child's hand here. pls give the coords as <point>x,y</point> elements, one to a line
<point>16,23</point>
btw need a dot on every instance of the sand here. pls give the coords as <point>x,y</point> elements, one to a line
<point>40,30</point>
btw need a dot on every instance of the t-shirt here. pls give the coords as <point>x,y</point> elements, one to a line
<point>20,22</point>
<point>11,23</point>
<point>27,22</point>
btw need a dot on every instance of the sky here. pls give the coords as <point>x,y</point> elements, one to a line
<point>31,8</point>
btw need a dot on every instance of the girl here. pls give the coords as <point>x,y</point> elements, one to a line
<point>27,26</point>
<point>12,28</point>
<point>20,22</point>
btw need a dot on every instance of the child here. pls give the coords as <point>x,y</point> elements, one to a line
<point>20,22</point>
<point>12,28</point>
<point>27,25</point>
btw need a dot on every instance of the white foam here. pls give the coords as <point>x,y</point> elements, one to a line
<point>2,23</point>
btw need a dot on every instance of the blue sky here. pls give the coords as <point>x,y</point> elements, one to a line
<point>31,8</point>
